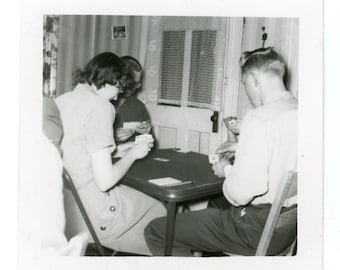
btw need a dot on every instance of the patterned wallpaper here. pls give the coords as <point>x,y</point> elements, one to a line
<point>50,54</point>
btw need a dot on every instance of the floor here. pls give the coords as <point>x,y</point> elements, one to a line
<point>92,251</point>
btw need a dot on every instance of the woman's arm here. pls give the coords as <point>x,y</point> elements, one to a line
<point>107,175</point>
<point>123,134</point>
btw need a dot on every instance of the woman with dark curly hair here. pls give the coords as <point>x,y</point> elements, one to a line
<point>119,213</point>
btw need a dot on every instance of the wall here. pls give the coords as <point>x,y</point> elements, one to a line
<point>82,37</point>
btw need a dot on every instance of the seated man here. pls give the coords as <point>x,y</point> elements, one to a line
<point>132,117</point>
<point>267,147</point>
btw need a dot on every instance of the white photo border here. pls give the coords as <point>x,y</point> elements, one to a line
<point>310,224</point>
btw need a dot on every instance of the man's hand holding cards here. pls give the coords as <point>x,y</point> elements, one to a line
<point>221,164</point>
<point>214,158</point>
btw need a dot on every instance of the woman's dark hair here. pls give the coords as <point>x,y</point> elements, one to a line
<point>132,62</point>
<point>104,68</point>
<point>264,59</point>
<point>130,66</point>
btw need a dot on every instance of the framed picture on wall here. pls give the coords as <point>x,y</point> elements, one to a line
<point>119,32</point>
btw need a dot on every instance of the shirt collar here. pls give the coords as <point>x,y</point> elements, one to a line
<point>283,95</point>
<point>85,87</point>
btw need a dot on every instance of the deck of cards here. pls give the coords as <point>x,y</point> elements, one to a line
<point>214,158</point>
<point>143,137</point>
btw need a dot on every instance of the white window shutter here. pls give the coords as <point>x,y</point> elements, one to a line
<point>172,67</point>
<point>202,68</point>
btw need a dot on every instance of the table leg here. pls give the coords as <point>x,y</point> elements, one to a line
<point>170,227</point>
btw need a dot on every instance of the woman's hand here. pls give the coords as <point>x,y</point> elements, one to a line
<point>144,127</point>
<point>123,134</point>
<point>142,149</point>
<point>122,149</point>
<point>226,147</point>
<point>218,167</point>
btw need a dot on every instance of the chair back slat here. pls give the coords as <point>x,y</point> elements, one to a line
<point>287,189</point>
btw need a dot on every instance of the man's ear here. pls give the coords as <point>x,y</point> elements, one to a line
<point>253,79</point>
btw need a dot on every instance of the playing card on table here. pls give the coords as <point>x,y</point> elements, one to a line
<point>164,181</point>
<point>161,159</point>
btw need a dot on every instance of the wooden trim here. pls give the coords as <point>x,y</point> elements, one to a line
<point>186,68</point>
<point>93,36</point>
<point>143,40</point>
<point>232,70</point>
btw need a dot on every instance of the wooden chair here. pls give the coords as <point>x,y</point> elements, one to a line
<point>68,184</point>
<point>287,189</point>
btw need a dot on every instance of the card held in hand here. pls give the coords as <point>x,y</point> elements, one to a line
<point>214,158</point>
<point>131,125</point>
<point>143,137</point>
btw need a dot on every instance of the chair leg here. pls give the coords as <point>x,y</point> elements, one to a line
<point>292,249</point>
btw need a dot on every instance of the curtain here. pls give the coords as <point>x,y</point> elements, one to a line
<point>152,61</point>
<point>50,53</point>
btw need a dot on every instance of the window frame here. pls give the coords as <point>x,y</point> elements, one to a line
<point>184,101</point>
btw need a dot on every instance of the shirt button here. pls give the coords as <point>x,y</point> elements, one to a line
<point>112,208</point>
<point>103,228</point>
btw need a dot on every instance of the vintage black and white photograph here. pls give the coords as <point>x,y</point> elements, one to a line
<point>168,136</point>
<point>198,88</point>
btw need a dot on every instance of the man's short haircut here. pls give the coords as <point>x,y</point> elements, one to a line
<point>264,59</point>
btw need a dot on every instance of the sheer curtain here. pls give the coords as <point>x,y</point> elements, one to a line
<point>50,53</point>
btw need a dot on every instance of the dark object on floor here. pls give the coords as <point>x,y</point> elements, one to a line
<point>91,250</point>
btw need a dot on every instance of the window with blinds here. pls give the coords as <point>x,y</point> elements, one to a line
<point>188,65</point>
<point>172,67</point>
